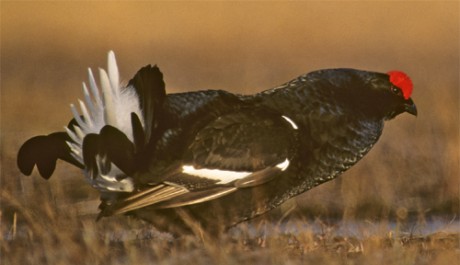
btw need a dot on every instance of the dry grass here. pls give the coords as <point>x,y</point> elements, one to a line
<point>399,190</point>
<point>42,233</point>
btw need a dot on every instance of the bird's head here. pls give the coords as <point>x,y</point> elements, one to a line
<point>401,87</point>
<point>394,94</point>
<point>381,95</point>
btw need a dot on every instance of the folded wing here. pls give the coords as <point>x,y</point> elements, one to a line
<point>242,149</point>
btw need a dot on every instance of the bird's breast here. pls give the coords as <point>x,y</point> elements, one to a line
<point>336,146</point>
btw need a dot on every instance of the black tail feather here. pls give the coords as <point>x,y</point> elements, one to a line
<point>150,88</point>
<point>43,151</point>
<point>90,149</point>
<point>113,146</point>
<point>138,133</point>
<point>119,149</point>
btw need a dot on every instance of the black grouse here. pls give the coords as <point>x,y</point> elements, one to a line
<point>213,156</point>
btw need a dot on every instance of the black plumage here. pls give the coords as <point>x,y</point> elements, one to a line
<point>221,158</point>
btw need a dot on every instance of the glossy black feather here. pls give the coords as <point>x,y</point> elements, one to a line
<point>118,148</point>
<point>111,146</point>
<point>249,139</point>
<point>150,87</point>
<point>90,150</point>
<point>43,151</point>
<point>138,132</point>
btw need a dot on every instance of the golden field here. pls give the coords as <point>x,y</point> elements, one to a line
<point>409,180</point>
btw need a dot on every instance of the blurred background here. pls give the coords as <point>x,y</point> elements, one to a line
<point>242,47</point>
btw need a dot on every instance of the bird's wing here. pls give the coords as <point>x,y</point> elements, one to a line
<point>248,140</point>
<point>242,149</point>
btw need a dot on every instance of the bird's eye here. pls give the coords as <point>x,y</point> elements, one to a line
<point>396,90</point>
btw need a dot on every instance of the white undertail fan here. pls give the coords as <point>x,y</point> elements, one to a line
<point>112,105</point>
<point>112,124</point>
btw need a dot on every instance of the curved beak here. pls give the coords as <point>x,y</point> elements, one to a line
<point>409,107</point>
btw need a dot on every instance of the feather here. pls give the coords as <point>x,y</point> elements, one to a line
<point>197,197</point>
<point>138,132</point>
<point>108,96</point>
<point>77,117</point>
<point>43,151</point>
<point>84,111</point>
<point>149,197</point>
<point>113,72</point>
<point>80,134</point>
<point>222,176</point>
<point>88,100</point>
<point>73,136</point>
<point>150,88</point>
<point>94,88</point>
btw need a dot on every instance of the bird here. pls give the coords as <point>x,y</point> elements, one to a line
<point>215,157</point>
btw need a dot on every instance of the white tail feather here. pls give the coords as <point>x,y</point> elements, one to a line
<point>94,88</point>
<point>73,136</point>
<point>77,117</point>
<point>109,99</point>
<point>88,100</point>
<point>80,134</point>
<point>113,107</point>
<point>113,73</point>
<point>75,148</point>
<point>84,111</point>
